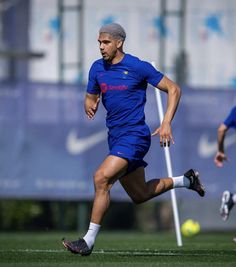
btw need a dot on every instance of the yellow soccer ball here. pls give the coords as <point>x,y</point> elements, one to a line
<point>190,228</point>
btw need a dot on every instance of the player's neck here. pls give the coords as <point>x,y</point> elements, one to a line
<point>120,55</point>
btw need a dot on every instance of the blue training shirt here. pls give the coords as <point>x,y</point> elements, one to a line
<point>230,121</point>
<point>123,88</point>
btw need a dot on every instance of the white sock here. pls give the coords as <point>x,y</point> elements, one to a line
<point>180,181</point>
<point>91,234</point>
<point>234,198</point>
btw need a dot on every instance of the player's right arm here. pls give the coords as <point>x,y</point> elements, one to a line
<point>220,156</point>
<point>92,96</point>
<point>91,103</point>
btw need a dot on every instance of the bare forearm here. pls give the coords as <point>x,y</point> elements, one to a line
<point>91,104</point>
<point>91,97</point>
<point>220,156</point>
<point>174,94</point>
<point>221,137</point>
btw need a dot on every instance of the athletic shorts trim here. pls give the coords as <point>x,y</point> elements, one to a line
<point>132,163</point>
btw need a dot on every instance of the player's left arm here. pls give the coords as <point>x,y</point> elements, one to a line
<point>174,93</point>
<point>220,156</point>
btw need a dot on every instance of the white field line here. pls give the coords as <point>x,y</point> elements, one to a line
<point>116,252</point>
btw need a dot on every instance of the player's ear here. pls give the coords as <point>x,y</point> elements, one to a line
<point>120,43</point>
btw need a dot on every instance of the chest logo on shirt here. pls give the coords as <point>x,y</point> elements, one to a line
<point>105,87</point>
<point>125,74</point>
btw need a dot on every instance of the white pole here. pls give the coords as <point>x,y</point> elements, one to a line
<point>169,171</point>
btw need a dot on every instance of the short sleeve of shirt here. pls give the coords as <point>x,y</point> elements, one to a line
<point>149,73</point>
<point>93,86</point>
<point>231,119</point>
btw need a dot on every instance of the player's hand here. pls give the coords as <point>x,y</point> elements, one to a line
<point>220,158</point>
<point>91,107</point>
<point>165,133</point>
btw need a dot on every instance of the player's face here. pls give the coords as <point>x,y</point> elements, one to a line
<point>108,46</point>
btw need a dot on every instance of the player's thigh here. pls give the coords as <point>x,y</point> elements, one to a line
<point>134,183</point>
<point>112,168</point>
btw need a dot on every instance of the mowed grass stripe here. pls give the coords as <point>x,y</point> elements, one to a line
<point>118,249</point>
<point>114,252</point>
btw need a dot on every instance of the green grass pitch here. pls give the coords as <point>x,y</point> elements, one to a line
<point>118,249</point>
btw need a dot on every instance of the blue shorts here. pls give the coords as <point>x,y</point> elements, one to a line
<point>131,144</point>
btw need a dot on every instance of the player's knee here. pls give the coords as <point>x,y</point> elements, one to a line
<point>100,181</point>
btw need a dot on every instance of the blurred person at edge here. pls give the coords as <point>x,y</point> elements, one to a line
<point>228,199</point>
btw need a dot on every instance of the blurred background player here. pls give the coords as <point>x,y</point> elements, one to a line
<point>121,79</point>
<point>228,198</point>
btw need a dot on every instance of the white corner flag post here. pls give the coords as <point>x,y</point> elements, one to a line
<point>169,171</point>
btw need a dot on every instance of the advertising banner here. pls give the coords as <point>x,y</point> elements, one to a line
<point>50,150</point>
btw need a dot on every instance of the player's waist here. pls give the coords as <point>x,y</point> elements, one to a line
<point>141,129</point>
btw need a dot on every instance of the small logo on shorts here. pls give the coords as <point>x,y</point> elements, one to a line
<point>119,153</point>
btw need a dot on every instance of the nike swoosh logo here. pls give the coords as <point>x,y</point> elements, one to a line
<point>76,146</point>
<point>207,149</point>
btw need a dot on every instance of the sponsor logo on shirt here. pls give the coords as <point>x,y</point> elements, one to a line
<point>105,87</point>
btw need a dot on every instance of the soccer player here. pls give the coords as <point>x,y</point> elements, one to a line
<point>228,199</point>
<point>121,80</point>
